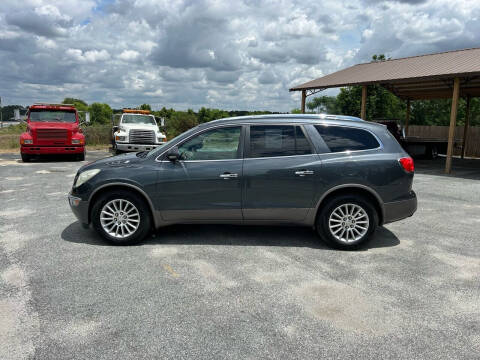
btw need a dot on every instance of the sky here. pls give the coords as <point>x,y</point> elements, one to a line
<point>234,55</point>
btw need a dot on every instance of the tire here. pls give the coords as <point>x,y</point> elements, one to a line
<point>118,152</point>
<point>120,199</point>
<point>25,157</point>
<point>81,157</point>
<point>360,227</point>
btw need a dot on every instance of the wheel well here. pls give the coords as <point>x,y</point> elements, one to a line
<point>130,189</point>
<point>354,191</point>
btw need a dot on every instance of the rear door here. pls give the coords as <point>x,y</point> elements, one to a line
<point>279,173</point>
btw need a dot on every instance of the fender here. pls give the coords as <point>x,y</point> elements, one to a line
<point>152,209</point>
<point>349,186</point>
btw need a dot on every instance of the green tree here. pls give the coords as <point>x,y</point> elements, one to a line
<point>323,104</point>
<point>145,107</point>
<point>80,105</point>
<point>180,121</point>
<point>100,113</point>
<point>206,114</point>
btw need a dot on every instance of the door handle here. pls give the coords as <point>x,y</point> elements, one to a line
<point>304,172</point>
<point>227,176</point>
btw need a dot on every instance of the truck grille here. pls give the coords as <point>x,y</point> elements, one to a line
<point>52,134</point>
<point>142,137</point>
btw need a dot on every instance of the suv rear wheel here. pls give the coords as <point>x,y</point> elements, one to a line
<point>347,221</point>
<point>121,217</point>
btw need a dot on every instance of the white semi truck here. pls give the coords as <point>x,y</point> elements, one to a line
<point>137,130</point>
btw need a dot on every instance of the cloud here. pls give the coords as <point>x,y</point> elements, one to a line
<point>217,53</point>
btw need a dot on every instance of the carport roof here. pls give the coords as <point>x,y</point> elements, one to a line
<point>417,77</point>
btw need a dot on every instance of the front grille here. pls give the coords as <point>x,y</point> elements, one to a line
<point>52,134</point>
<point>142,137</point>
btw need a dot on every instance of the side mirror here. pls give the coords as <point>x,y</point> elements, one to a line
<point>115,128</point>
<point>173,155</point>
<point>87,118</point>
<point>160,121</point>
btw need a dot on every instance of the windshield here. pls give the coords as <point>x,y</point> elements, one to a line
<point>138,119</point>
<point>40,115</point>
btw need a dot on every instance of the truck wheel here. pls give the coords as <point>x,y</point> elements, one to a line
<point>25,157</point>
<point>118,152</point>
<point>81,157</point>
<point>121,217</point>
<point>346,222</point>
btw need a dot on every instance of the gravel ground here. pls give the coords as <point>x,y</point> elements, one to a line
<point>215,292</point>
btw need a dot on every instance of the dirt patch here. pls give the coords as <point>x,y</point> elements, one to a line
<point>345,307</point>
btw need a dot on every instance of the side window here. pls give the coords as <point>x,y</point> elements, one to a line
<point>302,146</point>
<point>277,140</point>
<point>340,138</point>
<point>215,144</point>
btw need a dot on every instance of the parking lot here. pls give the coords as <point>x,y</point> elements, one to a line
<point>212,292</point>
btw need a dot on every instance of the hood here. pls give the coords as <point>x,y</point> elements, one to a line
<point>123,160</point>
<point>140,126</point>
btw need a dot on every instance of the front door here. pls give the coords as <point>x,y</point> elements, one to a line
<point>206,183</point>
<point>279,174</point>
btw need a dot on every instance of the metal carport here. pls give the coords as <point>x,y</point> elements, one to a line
<point>434,76</point>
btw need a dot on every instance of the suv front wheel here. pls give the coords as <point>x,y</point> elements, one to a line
<point>121,217</point>
<point>347,221</point>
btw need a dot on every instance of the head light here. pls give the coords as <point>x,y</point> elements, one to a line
<point>85,176</point>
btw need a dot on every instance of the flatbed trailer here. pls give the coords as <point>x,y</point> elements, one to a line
<point>427,147</point>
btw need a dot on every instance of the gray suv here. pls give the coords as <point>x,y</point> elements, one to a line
<point>342,176</point>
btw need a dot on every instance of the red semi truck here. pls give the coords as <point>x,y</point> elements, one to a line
<point>52,129</point>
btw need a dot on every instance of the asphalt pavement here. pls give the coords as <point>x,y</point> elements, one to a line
<point>233,292</point>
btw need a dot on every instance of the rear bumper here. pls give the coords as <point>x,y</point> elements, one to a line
<point>79,208</point>
<point>39,150</point>
<point>398,210</point>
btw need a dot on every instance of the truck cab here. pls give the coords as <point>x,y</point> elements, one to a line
<point>137,130</point>
<point>52,129</point>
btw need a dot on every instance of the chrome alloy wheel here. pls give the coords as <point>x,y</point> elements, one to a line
<point>119,218</point>
<point>348,222</point>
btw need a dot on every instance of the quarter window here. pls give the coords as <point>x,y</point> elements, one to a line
<point>278,140</point>
<point>340,138</point>
<point>216,144</point>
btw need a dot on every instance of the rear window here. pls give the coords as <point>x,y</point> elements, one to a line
<point>340,138</point>
<point>278,140</point>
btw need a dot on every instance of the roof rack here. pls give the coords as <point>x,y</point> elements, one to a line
<point>42,103</point>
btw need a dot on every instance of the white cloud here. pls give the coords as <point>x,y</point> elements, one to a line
<point>207,52</point>
<point>128,55</point>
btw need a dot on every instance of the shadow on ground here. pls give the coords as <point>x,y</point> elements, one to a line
<point>461,168</point>
<point>233,235</point>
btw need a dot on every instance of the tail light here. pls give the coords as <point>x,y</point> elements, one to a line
<point>407,164</point>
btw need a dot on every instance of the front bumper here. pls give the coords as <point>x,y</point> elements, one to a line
<point>398,210</point>
<point>41,150</point>
<point>136,147</point>
<point>80,209</point>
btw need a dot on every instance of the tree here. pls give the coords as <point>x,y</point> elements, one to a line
<point>323,104</point>
<point>205,114</point>
<point>80,105</point>
<point>180,121</point>
<point>145,107</point>
<point>100,113</point>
